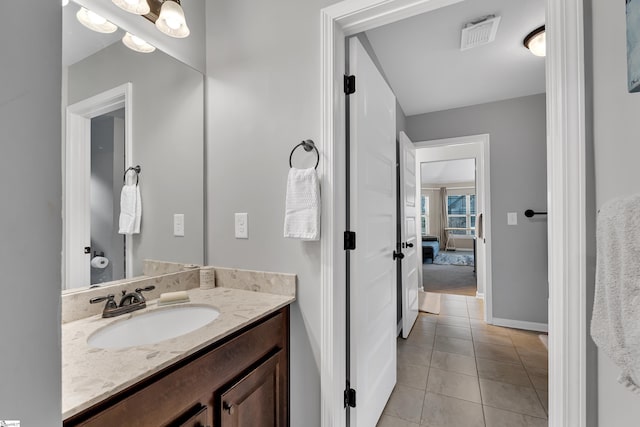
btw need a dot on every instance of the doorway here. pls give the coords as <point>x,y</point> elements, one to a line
<point>448,216</point>
<point>565,146</point>
<point>81,185</point>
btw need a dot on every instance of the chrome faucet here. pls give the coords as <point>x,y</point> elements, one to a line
<point>130,301</point>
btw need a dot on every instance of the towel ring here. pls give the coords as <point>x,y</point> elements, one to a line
<point>308,145</point>
<point>137,169</point>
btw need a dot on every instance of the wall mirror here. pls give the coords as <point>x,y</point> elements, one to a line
<point>129,118</point>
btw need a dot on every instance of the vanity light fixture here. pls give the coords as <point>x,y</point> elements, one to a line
<point>95,22</point>
<point>171,20</point>
<point>536,42</point>
<point>137,44</point>
<point>138,7</point>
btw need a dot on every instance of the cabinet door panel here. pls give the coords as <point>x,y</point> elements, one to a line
<point>256,400</point>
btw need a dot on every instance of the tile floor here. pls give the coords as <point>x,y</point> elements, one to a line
<point>454,370</point>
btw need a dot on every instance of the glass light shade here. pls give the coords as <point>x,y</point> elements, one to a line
<point>172,21</point>
<point>536,42</point>
<point>137,44</point>
<point>139,7</point>
<point>95,22</point>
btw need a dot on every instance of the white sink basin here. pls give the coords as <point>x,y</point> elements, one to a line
<point>153,326</point>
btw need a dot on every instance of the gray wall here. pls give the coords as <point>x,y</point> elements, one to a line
<point>263,70</point>
<point>30,223</point>
<point>517,129</point>
<point>615,135</point>
<point>168,138</point>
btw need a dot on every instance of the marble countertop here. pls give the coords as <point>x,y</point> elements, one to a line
<point>89,375</point>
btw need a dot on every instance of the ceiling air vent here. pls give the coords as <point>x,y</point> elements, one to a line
<point>479,31</point>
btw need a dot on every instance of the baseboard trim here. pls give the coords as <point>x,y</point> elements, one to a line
<point>480,295</point>
<point>520,324</point>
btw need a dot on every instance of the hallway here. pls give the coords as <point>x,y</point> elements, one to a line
<point>454,370</point>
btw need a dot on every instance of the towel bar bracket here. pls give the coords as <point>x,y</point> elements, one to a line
<point>307,145</point>
<point>137,169</point>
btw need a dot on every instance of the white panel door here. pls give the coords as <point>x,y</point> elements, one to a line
<point>372,110</point>
<point>408,233</point>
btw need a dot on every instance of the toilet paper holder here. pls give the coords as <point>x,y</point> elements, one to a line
<point>95,254</point>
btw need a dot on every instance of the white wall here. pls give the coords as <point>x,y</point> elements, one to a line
<point>517,128</point>
<point>617,150</point>
<point>168,143</point>
<point>30,221</point>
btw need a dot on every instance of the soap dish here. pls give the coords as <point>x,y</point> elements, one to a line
<point>170,298</point>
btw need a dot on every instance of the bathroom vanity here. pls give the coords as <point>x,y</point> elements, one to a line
<point>233,371</point>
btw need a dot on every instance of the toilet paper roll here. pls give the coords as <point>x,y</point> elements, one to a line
<point>99,262</point>
<point>207,278</point>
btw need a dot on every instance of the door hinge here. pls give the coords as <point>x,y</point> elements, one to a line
<point>349,240</point>
<point>349,84</point>
<point>350,398</point>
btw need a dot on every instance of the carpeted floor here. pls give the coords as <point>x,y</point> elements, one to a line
<point>449,279</point>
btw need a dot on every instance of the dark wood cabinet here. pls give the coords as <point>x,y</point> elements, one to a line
<point>198,416</point>
<point>240,381</point>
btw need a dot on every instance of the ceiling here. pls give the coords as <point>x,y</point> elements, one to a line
<point>448,172</point>
<point>422,61</point>
<point>79,42</point>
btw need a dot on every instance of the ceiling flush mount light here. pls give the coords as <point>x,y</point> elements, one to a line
<point>95,22</point>
<point>171,20</point>
<point>137,44</point>
<point>139,7</point>
<point>536,42</point>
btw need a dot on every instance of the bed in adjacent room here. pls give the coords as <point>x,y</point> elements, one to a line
<point>430,248</point>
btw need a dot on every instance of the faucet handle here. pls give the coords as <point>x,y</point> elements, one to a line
<point>95,300</point>
<point>147,289</point>
<point>111,302</point>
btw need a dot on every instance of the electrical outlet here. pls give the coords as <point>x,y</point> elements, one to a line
<point>178,225</point>
<point>242,226</point>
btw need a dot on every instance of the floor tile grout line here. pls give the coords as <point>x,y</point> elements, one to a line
<point>475,360</point>
<point>535,390</point>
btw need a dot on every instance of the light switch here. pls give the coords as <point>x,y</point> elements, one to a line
<point>512,218</point>
<point>242,226</point>
<point>178,225</point>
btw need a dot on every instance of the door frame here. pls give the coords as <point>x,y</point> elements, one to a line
<point>476,147</point>
<point>566,198</point>
<point>77,174</point>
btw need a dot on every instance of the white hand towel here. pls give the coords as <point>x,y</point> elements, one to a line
<point>302,209</point>
<point>615,324</point>
<point>138,216</point>
<point>128,209</point>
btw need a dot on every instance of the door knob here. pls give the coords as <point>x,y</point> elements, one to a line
<point>227,407</point>
<point>397,255</point>
<point>409,245</point>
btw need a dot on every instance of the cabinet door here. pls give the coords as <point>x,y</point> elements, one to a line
<point>257,399</point>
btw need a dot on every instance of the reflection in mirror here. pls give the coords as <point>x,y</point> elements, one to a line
<point>107,160</point>
<point>124,108</point>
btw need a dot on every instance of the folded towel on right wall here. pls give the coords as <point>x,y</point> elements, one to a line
<point>615,325</point>
<point>302,206</point>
